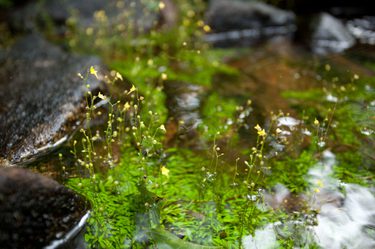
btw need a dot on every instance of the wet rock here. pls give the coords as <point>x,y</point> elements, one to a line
<point>42,99</point>
<point>336,7</point>
<point>363,29</point>
<point>36,211</point>
<point>184,103</point>
<point>329,35</point>
<point>265,73</point>
<point>242,23</point>
<point>84,14</point>
<point>282,198</point>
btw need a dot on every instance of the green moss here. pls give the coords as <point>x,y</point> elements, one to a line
<point>292,172</point>
<point>6,3</point>
<point>351,169</point>
<point>154,193</point>
<point>218,116</point>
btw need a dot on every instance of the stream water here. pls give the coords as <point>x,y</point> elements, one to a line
<point>345,218</point>
<point>266,142</point>
<point>334,214</point>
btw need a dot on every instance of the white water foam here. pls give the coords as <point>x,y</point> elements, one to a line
<point>346,218</point>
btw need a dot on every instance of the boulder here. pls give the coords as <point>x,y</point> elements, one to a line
<point>341,8</point>
<point>89,13</point>
<point>251,21</point>
<point>36,212</point>
<point>42,99</point>
<point>363,29</point>
<point>329,35</point>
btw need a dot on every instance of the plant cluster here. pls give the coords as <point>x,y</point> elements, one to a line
<point>147,195</point>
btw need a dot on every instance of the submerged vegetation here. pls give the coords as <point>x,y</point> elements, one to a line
<point>146,193</point>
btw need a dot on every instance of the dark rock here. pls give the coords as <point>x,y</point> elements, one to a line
<point>363,29</point>
<point>36,211</point>
<point>246,22</point>
<point>184,104</point>
<point>42,99</point>
<point>342,8</point>
<point>89,13</point>
<point>329,35</point>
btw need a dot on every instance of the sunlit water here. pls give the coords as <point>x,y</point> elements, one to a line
<point>346,213</point>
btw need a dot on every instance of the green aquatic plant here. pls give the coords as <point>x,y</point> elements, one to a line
<point>291,172</point>
<point>345,111</point>
<point>152,196</point>
<point>137,202</point>
<point>142,191</point>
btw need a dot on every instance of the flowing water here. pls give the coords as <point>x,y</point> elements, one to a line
<point>345,213</point>
<point>260,144</point>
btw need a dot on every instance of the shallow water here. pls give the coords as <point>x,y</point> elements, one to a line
<point>345,212</point>
<point>336,214</point>
<point>211,179</point>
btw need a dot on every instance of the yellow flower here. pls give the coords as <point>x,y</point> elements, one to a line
<point>126,106</point>
<point>206,28</point>
<point>261,132</point>
<point>162,128</point>
<point>101,96</point>
<point>132,89</point>
<point>164,76</point>
<point>118,76</point>
<point>93,72</point>
<point>316,122</point>
<point>165,171</point>
<point>161,5</point>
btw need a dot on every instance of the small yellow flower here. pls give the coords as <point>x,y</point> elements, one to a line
<point>132,89</point>
<point>165,171</point>
<point>206,28</point>
<point>317,190</point>
<point>93,72</point>
<point>126,106</point>
<point>118,76</point>
<point>200,23</point>
<point>161,5</point>
<point>164,76</point>
<point>101,96</point>
<point>162,128</point>
<point>261,132</point>
<point>316,122</point>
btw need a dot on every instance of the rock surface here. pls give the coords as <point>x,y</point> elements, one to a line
<point>34,15</point>
<point>363,29</point>
<point>329,35</point>
<point>184,104</point>
<point>41,97</point>
<point>246,22</point>
<point>36,211</point>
